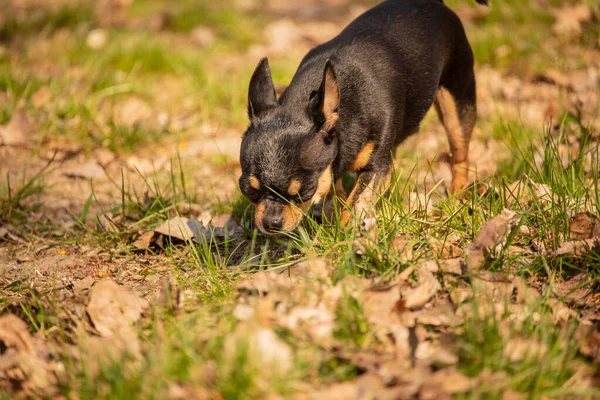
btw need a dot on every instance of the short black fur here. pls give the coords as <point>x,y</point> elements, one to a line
<point>388,65</point>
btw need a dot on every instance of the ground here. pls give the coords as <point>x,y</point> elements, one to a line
<point>130,266</point>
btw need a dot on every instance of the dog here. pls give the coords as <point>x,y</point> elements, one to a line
<point>351,102</point>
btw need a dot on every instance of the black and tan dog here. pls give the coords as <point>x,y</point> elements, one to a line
<point>352,101</point>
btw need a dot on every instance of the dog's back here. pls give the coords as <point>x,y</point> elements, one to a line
<point>398,50</point>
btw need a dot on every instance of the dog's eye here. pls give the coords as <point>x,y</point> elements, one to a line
<point>252,194</point>
<point>304,196</point>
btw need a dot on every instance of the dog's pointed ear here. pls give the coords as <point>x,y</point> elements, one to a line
<point>326,101</point>
<point>261,94</point>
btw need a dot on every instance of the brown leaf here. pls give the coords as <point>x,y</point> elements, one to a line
<point>383,309</point>
<point>367,236</point>
<point>17,131</point>
<point>569,19</point>
<point>518,349</point>
<point>317,322</point>
<point>264,282</point>
<point>434,353</point>
<point>145,166</point>
<point>455,266</point>
<point>402,247</point>
<point>132,111</point>
<point>576,247</point>
<point>491,238</point>
<point>264,349</point>
<point>590,341</point>
<point>82,286</point>
<point>445,249</point>
<point>451,381</point>
<point>87,170</point>
<point>427,287</point>
<point>25,367</point>
<point>113,309</point>
<point>584,225</point>
<point>186,391</point>
<point>182,228</point>
<point>203,36</point>
<point>144,240</point>
<point>436,317</point>
<point>575,291</point>
<point>41,97</point>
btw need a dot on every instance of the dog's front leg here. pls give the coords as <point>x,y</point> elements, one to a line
<point>337,194</point>
<point>362,198</point>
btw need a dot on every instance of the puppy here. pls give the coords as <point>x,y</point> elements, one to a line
<point>352,101</point>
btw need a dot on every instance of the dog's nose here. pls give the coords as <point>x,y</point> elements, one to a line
<point>273,223</point>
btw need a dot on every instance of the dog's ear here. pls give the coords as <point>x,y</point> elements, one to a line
<point>261,94</point>
<point>326,101</point>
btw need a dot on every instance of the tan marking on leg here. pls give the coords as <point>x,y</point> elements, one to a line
<point>292,216</point>
<point>363,157</point>
<point>294,187</point>
<point>254,182</point>
<point>362,197</point>
<point>458,139</point>
<point>324,186</point>
<point>258,216</point>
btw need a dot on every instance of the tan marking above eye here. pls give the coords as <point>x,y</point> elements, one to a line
<point>363,157</point>
<point>294,187</point>
<point>254,182</point>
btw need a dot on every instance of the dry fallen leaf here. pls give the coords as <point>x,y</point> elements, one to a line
<point>569,19</point>
<point>264,282</point>
<point>132,111</point>
<point>427,287</point>
<point>264,349</point>
<point>25,367</point>
<point>144,240</point>
<point>434,353</point>
<point>518,349</point>
<point>183,229</point>
<point>145,166</point>
<point>203,36</point>
<point>576,247</point>
<point>576,290</point>
<point>186,229</point>
<point>41,97</point>
<point>584,225</point>
<point>451,381</point>
<point>17,131</point>
<point>87,170</point>
<point>491,238</point>
<point>317,322</point>
<point>383,309</point>
<point>402,247</point>
<point>590,341</point>
<point>113,310</point>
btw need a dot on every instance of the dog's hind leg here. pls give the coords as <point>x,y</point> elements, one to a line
<point>455,103</point>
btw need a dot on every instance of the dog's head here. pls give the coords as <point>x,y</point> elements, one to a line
<point>288,149</point>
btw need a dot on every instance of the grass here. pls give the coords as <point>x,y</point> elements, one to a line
<point>199,346</point>
<point>15,200</point>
